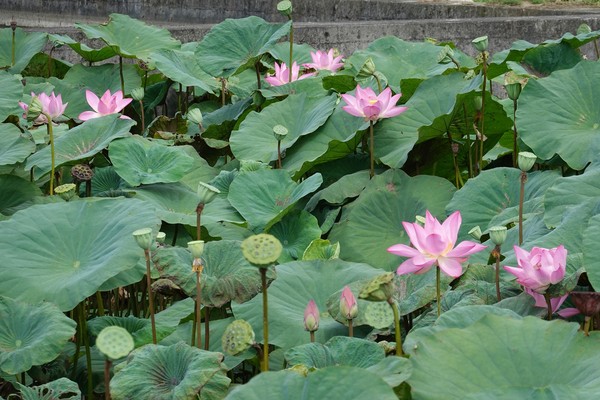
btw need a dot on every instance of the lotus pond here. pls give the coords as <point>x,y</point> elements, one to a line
<point>249,218</point>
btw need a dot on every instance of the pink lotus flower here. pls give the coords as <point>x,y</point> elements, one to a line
<point>539,268</point>
<point>434,243</point>
<point>371,107</point>
<point>325,61</point>
<point>106,105</point>
<point>555,302</point>
<point>348,305</point>
<point>282,75</point>
<point>311,317</point>
<point>48,106</point>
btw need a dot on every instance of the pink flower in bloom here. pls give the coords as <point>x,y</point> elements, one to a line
<point>371,107</point>
<point>434,243</point>
<point>51,106</point>
<point>539,268</point>
<point>105,105</point>
<point>325,61</point>
<point>282,75</point>
<point>348,305</point>
<point>555,302</point>
<point>311,317</point>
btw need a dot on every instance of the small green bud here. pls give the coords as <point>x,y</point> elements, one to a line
<point>160,237</point>
<point>583,29</point>
<point>513,90</point>
<point>475,233</point>
<point>196,247</point>
<point>420,219</point>
<point>280,132</point>
<point>367,69</point>
<point>66,191</point>
<point>480,43</point>
<point>195,116</point>
<point>207,192</point>
<point>478,102</point>
<point>285,8</point>
<point>498,234</point>
<point>526,160</point>
<point>143,238</point>
<point>138,94</point>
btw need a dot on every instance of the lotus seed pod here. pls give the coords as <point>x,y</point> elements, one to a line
<point>238,337</point>
<point>82,172</point>
<point>195,116</point>
<point>114,342</point>
<point>480,43</point>
<point>285,8</point>
<point>476,233</point>
<point>498,234</point>
<point>143,238</point>
<point>379,315</point>
<point>66,191</point>
<point>196,247</point>
<point>137,94</point>
<point>378,288</point>
<point>160,237</point>
<point>526,160</point>
<point>207,192</point>
<point>261,250</point>
<point>367,69</point>
<point>280,131</point>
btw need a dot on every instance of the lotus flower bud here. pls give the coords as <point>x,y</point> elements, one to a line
<point>311,317</point>
<point>66,191</point>
<point>194,115</point>
<point>207,192</point>
<point>478,102</point>
<point>280,132</point>
<point>160,237</point>
<point>475,233</point>
<point>480,43</point>
<point>367,69</point>
<point>583,29</point>
<point>498,234</point>
<point>526,160</point>
<point>196,247</point>
<point>513,90</point>
<point>143,238</point>
<point>420,219</point>
<point>285,8</point>
<point>348,305</point>
<point>138,94</point>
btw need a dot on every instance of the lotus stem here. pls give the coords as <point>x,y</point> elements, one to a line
<point>263,278</point>
<point>291,49</point>
<point>52,155</point>
<point>371,152</point>
<point>378,83</point>
<point>437,290</point>
<point>107,365</point>
<point>100,304</point>
<point>121,75</point>
<point>223,90</point>
<point>521,200</point>
<point>143,116</point>
<point>88,353</point>
<point>199,210</point>
<point>468,144</point>
<point>279,154</point>
<point>483,90</point>
<point>257,69</point>
<point>198,309</point>
<point>350,328</point>
<point>13,26</point>
<point>150,297</point>
<point>586,325</point>
<point>194,326</point>
<point>397,331</point>
<point>454,150</point>
<point>596,49</point>
<point>206,327</point>
<point>312,336</point>
<point>496,253</point>
<point>77,344</point>
<point>515,152</point>
<point>49,63</point>
<point>548,305</point>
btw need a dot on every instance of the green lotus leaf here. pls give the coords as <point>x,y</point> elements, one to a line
<point>347,187</point>
<point>80,143</point>
<point>264,197</point>
<point>553,57</point>
<point>86,52</point>
<point>566,122</point>
<point>107,183</point>
<point>27,45</point>
<point>226,275</point>
<point>130,37</point>
<point>31,334</point>
<point>311,87</point>
<point>321,249</point>
<point>295,232</point>
<point>61,388</point>
<point>12,91</point>
<point>237,44</point>
<point>373,313</point>
<point>491,368</point>
<point>300,114</point>
<point>138,160</point>
<point>297,283</point>
<point>591,251</point>
<point>301,52</point>
<point>183,67</point>
<point>16,193</point>
<point>171,372</point>
<point>341,382</point>
<point>373,222</point>
<point>334,139</point>
<point>14,147</point>
<point>66,259</point>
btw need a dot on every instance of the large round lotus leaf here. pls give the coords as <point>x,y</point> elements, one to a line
<point>591,251</point>
<point>82,142</point>
<point>263,197</point>
<point>398,59</point>
<point>78,247</point>
<point>62,388</point>
<point>16,193</point>
<point>301,52</point>
<point>183,67</point>
<point>373,222</point>
<point>332,140</point>
<point>12,91</point>
<point>339,350</point>
<point>503,357</point>
<point>171,372</point>
<point>31,334</point>
<point>86,52</point>
<point>27,45</point>
<point>139,160</point>
<point>237,44</point>
<point>297,283</point>
<point>295,232</point>
<point>132,37</point>
<point>226,275</point>
<point>557,115</point>
<point>347,187</point>
<point>176,204</point>
<point>299,114</point>
<point>14,147</point>
<point>349,383</point>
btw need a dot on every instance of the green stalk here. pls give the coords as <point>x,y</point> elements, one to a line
<point>291,50</point>
<point>468,145</point>
<point>437,290</point>
<point>199,210</point>
<point>206,327</point>
<point>481,131</point>
<point>13,26</point>
<point>88,353</point>
<point>350,328</point>
<point>378,83</point>
<point>198,310</point>
<point>548,305</point>
<point>143,116</point>
<point>52,155</point>
<point>496,253</point>
<point>279,154</point>
<point>265,363</point>
<point>371,152</point>
<point>521,200</point>
<point>312,336</point>
<point>100,304</point>
<point>107,364</point>
<point>150,298</point>
<point>515,153</point>
<point>78,341</point>
<point>397,332</point>
<point>586,325</point>
<point>121,75</point>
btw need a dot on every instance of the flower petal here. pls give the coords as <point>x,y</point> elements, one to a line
<point>450,266</point>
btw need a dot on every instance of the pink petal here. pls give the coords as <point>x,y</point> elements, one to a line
<point>451,226</point>
<point>435,244</point>
<point>568,312</point>
<point>392,112</point>
<point>403,250</point>
<point>92,99</point>
<point>416,235</point>
<point>465,249</point>
<point>450,266</point>
<point>408,267</point>
<point>84,116</point>
<point>353,111</point>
